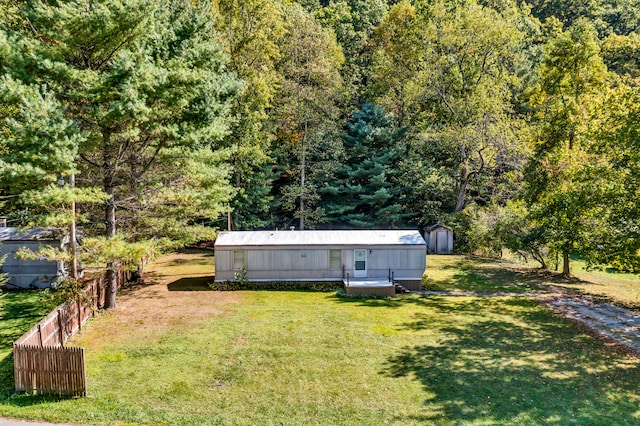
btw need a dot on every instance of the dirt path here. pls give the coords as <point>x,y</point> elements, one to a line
<point>618,324</point>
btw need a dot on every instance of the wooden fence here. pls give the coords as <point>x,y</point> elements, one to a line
<point>42,364</point>
<point>49,370</point>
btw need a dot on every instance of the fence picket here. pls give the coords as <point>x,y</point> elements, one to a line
<point>42,365</point>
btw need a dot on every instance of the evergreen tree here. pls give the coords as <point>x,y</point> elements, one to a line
<point>366,192</point>
<point>145,85</point>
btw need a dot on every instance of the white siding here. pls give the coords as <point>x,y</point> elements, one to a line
<point>313,263</point>
<point>24,273</point>
<point>287,260</point>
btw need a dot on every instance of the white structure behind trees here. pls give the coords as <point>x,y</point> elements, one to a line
<point>439,239</point>
<point>29,273</point>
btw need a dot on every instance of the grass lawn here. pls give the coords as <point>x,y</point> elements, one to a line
<point>614,286</point>
<point>170,356</point>
<point>19,311</point>
<point>465,273</point>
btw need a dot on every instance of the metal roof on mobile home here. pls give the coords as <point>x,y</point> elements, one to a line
<point>16,234</point>
<point>319,238</point>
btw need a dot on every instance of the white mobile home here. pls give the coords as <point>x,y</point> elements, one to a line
<point>28,273</point>
<point>322,255</point>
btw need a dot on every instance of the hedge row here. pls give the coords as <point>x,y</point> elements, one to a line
<point>276,285</point>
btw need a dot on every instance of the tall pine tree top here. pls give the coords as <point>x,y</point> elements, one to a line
<point>366,193</point>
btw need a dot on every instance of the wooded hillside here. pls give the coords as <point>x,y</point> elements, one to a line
<point>515,123</point>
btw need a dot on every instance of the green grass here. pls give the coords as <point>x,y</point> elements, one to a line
<point>618,287</point>
<point>19,311</point>
<point>464,273</point>
<point>261,357</point>
<point>607,284</point>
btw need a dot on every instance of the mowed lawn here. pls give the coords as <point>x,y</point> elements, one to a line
<point>19,311</point>
<point>171,356</point>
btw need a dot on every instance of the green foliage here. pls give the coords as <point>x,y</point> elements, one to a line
<point>241,277</point>
<point>118,250</point>
<point>365,192</point>
<point>451,71</point>
<point>306,109</point>
<point>182,197</point>
<point>354,23</point>
<point>608,16</point>
<point>134,98</point>
<point>564,177</point>
<point>399,57</point>
<point>252,32</point>
<point>66,291</point>
<point>617,240</point>
<point>3,276</point>
<point>143,102</point>
<point>39,143</point>
<point>240,284</point>
<point>621,54</point>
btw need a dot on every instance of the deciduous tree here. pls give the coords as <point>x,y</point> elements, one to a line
<point>310,66</point>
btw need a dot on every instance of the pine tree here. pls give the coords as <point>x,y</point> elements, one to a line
<point>366,192</point>
<point>144,84</point>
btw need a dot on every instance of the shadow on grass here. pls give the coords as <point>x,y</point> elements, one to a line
<point>191,284</point>
<point>6,376</point>
<point>379,302</point>
<point>525,366</point>
<point>482,274</point>
<point>19,311</point>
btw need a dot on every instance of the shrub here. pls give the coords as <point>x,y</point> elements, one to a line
<point>324,286</point>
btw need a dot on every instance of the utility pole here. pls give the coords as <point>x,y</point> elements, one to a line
<point>72,232</point>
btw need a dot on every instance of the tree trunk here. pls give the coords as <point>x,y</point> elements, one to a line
<point>111,277</point>
<point>462,189</point>
<point>303,170</point>
<point>72,235</point>
<point>565,263</point>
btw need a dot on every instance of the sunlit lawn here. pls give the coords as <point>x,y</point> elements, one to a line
<point>465,273</point>
<point>615,286</point>
<point>19,311</point>
<point>167,356</point>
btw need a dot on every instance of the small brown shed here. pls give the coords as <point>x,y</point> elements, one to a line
<point>439,239</point>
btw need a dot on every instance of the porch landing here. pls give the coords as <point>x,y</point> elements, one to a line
<point>370,287</point>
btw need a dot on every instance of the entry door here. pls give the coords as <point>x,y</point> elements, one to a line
<point>443,244</point>
<point>360,266</point>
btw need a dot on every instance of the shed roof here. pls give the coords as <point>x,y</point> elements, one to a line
<point>319,238</point>
<point>18,234</point>
<point>436,226</point>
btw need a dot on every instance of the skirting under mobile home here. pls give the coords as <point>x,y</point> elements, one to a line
<point>348,256</point>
